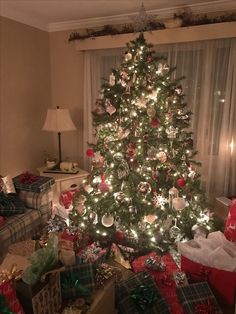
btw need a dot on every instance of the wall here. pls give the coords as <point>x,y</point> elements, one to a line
<point>25,94</point>
<point>67,91</point>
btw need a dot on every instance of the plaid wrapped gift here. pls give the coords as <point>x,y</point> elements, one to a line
<point>196,297</point>
<point>36,200</point>
<point>126,304</point>
<point>39,184</point>
<point>77,280</point>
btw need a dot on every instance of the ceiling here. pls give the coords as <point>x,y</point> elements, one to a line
<point>56,15</point>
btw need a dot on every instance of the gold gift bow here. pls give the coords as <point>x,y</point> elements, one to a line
<point>12,274</point>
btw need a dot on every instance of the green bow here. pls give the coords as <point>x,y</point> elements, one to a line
<point>143,297</point>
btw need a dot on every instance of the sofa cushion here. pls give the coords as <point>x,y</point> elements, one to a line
<point>23,226</point>
<point>10,204</point>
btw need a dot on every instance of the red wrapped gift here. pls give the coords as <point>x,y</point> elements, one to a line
<point>8,291</point>
<point>66,240</point>
<point>223,283</point>
<point>164,277</point>
<point>230,226</point>
<point>66,197</point>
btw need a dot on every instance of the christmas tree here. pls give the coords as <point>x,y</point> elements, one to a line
<point>144,188</point>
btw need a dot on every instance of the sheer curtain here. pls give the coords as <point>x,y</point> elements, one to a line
<point>209,68</point>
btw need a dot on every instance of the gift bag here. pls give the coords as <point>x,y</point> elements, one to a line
<point>9,298</point>
<point>198,298</point>
<point>139,295</point>
<point>222,283</point>
<point>230,226</point>
<point>42,297</point>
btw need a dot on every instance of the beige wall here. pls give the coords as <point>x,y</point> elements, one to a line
<point>25,94</point>
<point>67,91</point>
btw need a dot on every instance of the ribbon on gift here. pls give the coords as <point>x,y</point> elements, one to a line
<point>28,178</point>
<point>155,264</point>
<point>143,297</point>
<point>3,307</point>
<point>206,307</point>
<point>12,274</point>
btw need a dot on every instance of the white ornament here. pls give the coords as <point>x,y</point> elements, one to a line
<point>179,203</point>
<point>123,169</point>
<point>107,220</point>
<point>112,79</point>
<point>171,132</point>
<point>174,191</point>
<point>88,188</point>
<point>162,157</point>
<point>128,56</point>
<point>110,109</point>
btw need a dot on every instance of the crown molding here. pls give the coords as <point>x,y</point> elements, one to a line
<point>161,14</point>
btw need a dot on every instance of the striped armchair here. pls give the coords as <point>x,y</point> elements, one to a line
<point>22,226</point>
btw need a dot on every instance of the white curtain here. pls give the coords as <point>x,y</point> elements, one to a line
<point>209,68</point>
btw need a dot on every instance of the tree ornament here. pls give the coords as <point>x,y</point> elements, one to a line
<point>110,109</point>
<point>151,112</point>
<point>144,188</point>
<point>199,231</point>
<point>90,152</point>
<point>179,203</point>
<point>179,90</point>
<point>162,157</point>
<point>150,219</point>
<point>152,153</point>
<point>132,209</point>
<point>107,220</point>
<point>88,188</point>
<point>181,182</point>
<point>119,236</point>
<point>112,79</point>
<point>123,169</point>
<point>175,231</point>
<point>141,103</point>
<point>118,157</point>
<point>131,150</point>
<point>119,197</point>
<point>103,186</point>
<point>173,193</point>
<point>171,132</point>
<point>128,56</point>
<point>121,134</point>
<point>93,218</point>
<point>155,123</point>
<point>97,160</point>
<point>81,209</point>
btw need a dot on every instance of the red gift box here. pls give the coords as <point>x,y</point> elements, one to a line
<point>66,197</point>
<point>223,283</point>
<point>230,226</point>
<point>8,291</point>
<point>164,279</point>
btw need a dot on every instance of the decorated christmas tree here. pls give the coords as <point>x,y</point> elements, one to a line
<point>144,187</point>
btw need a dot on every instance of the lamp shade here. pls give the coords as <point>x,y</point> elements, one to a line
<point>58,120</point>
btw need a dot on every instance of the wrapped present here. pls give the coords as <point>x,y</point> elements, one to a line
<point>212,260</point>
<point>222,283</point>
<point>230,226</point>
<point>77,281</point>
<point>9,299</point>
<point>42,297</point>
<point>30,182</point>
<point>104,272</point>
<point>92,253</point>
<point>66,197</point>
<point>139,294</point>
<point>198,298</point>
<point>66,240</point>
<point>162,272</point>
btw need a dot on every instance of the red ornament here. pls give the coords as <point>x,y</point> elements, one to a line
<point>119,236</point>
<point>90,152</point>
<point>154,122</point>
<point>181,182</point>
<point>103,187</point>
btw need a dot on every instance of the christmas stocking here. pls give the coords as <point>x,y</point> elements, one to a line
<point>230,226</point>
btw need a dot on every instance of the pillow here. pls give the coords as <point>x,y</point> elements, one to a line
<point>7,185</point>
<point>10,204</point>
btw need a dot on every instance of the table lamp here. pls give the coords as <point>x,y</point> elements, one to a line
<point>58,120</point>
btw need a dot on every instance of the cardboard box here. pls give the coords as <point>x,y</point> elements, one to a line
<point>104,300</point>
<point>221,208</point>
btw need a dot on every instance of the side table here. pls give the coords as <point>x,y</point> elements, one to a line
<point>63,181</point>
